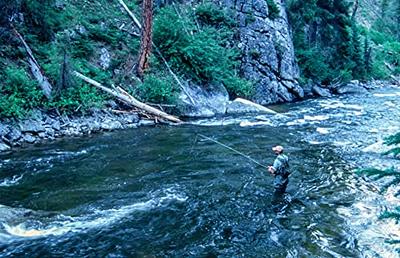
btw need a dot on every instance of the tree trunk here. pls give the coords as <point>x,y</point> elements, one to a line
<point>135,20</point>
<point>129,99</point>
<point>147,37</point>
<point>353,16</point>
<point>35,67</point>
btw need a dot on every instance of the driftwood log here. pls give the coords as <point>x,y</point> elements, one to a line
<point>35,67</point>
<point>122,95</point>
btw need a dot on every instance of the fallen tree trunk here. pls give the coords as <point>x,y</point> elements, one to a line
<point>129,99</point>
<point>35,67</point>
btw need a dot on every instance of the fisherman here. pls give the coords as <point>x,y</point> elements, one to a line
<point>280,170</point>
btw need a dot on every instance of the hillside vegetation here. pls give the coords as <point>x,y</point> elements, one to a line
<point>198,40</point>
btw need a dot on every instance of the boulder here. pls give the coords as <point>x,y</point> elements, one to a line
<point>4,130</point>
<point>13,135</point>
<point>321,92</point>
<point>353,87</point>
<point>204,101</point>
<point>146,122</point>
<point>31,126</point>
<point>244,106</point>
<point>110,125</point>
<point>131,118</point>
<point>29,138</point>
<point>56,125</point>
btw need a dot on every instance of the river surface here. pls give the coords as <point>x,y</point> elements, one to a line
<point>166,192</point>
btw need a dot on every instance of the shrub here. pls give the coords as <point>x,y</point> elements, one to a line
<point>203,55</point>
<point>158,89</point>
<point>273,9</point>
<point>212,14</point>
<point>18,92</point>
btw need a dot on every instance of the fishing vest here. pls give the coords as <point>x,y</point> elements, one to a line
<point>283,165</point>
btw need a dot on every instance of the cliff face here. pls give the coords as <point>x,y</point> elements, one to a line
<point>267,50</point>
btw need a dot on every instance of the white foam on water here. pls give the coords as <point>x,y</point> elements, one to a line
<point>99,218</point>
<point>11,181</point>
<point>316,118</point>
<point>335,104</point>
<point>314,142</point>
<point>296,122</point>
<point>383,95</point>
<point>322,130</point>
<point>258,123</point>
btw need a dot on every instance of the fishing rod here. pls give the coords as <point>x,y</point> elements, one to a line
<point>232,149</point>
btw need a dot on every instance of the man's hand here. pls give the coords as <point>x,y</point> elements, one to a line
<point>271,170</point>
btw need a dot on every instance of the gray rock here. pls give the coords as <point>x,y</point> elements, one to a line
<point>146,122</point>
<point>204,101</point>
<point>267,51</point>
<point>105,58</point>
<point>237,106</point>
<point>4,147</point>
<point>4,130</point>
<point>42,135</point>
<point>321,92</point>
<point>110,125</point>
<point>351,88</point>
<point>50,132</point>
<point>131,118</point>
<point>56,125</point>
<point>13,135</point>
<point>29,138</point>
<point>32,126</point>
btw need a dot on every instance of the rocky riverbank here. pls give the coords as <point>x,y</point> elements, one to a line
<point>41,126</point>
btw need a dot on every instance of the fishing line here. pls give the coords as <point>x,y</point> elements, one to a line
<point>232,149</point>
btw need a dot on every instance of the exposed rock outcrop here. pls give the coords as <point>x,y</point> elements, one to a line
<point>205,101</point>
<point>268,52</point>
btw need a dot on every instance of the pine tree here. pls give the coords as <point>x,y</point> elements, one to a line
<point>367,56</point>
<point>391,173</point>
<point>357,55</point>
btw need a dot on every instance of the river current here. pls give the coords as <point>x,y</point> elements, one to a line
<point>165,192</point>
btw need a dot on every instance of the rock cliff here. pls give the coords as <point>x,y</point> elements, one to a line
<point>268,54</point>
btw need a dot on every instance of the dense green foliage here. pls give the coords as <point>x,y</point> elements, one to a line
<point>202,51</point>
<point>324,31</point>
<point>331,46</point>
<point>69,35</point>
<point>18,92</point>
<point>273,9</point>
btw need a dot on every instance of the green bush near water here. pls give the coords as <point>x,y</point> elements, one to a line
<point>18,92</point>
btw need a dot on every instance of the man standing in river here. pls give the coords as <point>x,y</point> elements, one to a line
<point>280,170</point>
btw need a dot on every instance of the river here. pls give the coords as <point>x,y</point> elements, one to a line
<point>165,192</point>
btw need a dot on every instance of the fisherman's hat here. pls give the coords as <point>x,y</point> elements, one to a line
<point>278,148</point>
